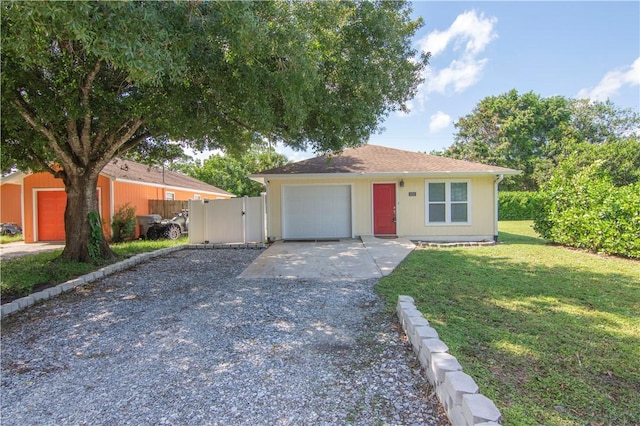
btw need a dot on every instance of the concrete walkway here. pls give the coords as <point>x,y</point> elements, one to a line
<point>347,259</point>
<point>20,248</point>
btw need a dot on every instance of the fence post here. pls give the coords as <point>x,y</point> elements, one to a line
<point>244,219</point>
<point>263,217</point>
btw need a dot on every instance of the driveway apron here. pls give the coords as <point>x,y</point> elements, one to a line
<point>345,259</point>
<point>182,340</point>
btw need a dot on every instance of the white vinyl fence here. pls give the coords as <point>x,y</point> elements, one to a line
<point>232,221</point>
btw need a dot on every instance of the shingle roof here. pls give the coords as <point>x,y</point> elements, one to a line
<point>136,172</point>
<point>379,159</point>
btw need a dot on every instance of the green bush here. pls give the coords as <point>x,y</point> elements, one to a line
<point>123,224</point>
<point>588,211</point>
<point>517,205</point>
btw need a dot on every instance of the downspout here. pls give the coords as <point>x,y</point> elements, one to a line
<point>496,182</point>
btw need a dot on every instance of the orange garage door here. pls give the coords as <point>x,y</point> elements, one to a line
<point>51,205</point>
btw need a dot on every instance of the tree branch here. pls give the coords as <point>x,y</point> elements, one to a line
<point>113,143</point>
<point>74,139</point>
<point>86,92</point>
<point>62,155</point>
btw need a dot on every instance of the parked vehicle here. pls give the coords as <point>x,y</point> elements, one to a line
<point>153,227</point>
<point>10,229</point>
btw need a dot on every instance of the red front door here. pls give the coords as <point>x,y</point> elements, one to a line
<point>384,209</point>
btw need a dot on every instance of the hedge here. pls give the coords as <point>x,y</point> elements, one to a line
<point>588,211</point>
<point>518,205</point>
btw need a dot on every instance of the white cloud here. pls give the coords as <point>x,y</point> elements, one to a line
<point>467,37</point>
<point>475,30</point>
<point>612,82</point>
<point>439,121</point>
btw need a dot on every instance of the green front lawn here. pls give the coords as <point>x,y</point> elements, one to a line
<point>22,276</point>
<point>552,335</point>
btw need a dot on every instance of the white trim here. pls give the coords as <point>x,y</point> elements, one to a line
<point>447,203</point>
<point>496,204</point>
<point>385,175</point>
<point>35,191</point>
<point>22,218</point>
<point>267,194</point>
<point>373,207</point>
<point>112,202</point>
<point>34,213</point>
<point>282,202</point>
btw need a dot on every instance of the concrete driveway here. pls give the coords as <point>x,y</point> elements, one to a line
<point>369,257</point>
<point>20,248</point>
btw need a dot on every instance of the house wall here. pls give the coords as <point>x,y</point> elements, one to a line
<point>138,195</point>
<point>10,203</point>
<point>46,182</point>
<point>411,211</point>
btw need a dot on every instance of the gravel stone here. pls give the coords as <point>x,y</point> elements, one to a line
<point>180,340</point>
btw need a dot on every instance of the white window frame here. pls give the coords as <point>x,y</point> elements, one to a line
<point>197,197</point>
<point>169,196</point>
<point>447,202</point>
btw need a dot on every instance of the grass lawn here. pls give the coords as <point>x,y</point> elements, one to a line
<point>552,335</point>
<point>10,238</point>
<point>22,276</point>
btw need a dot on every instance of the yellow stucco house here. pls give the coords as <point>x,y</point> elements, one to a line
<point>375,190</point>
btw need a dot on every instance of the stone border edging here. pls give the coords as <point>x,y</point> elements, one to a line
<point>24,302</point>
<point>457,391</point>
<point>423,244</point>
<point>47,293</point>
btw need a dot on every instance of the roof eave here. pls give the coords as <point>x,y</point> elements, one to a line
<point>262,178</point>
<point>15,178</point>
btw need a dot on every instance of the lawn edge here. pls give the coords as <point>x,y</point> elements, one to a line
<point>457,391</point>
<point>26,301</point>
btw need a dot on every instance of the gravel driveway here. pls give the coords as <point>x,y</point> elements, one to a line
<point>180,340</point>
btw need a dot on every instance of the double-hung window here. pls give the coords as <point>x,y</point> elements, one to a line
<point>448,203</point>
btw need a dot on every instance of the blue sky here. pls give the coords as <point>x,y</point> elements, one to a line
<point>480,49</point>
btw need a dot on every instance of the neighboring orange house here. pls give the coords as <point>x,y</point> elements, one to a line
<point>37,201</point>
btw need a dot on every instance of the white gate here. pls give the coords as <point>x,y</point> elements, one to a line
<point>231,221</point>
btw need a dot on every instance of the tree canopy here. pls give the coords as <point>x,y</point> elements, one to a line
<point>534,134</point>
<point>231,172</point>
<point>85,81</point>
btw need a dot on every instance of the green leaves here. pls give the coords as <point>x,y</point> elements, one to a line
<point>231,172</point>
<point>586,210</point>
<point>534,134</point>
<point>85,81</point>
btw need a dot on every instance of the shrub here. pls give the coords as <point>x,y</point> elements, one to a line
<point>124,223</point>
<point>517,205</point>
<point>588,211</point>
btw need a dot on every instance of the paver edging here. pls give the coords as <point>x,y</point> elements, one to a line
<point>458,393</point>
<point>24,302</point>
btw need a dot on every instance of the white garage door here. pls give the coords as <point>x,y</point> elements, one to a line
<point>316,211</point>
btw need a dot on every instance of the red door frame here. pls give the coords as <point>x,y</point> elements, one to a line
<point>384,209</point>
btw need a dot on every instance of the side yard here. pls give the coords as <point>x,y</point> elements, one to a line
<point>552,335</point>
<point>22,276</point>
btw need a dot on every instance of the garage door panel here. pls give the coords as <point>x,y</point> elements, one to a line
<point>316,211</point>
<point>51,207</point>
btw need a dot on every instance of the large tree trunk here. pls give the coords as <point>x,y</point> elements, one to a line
<point>81,201</point>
